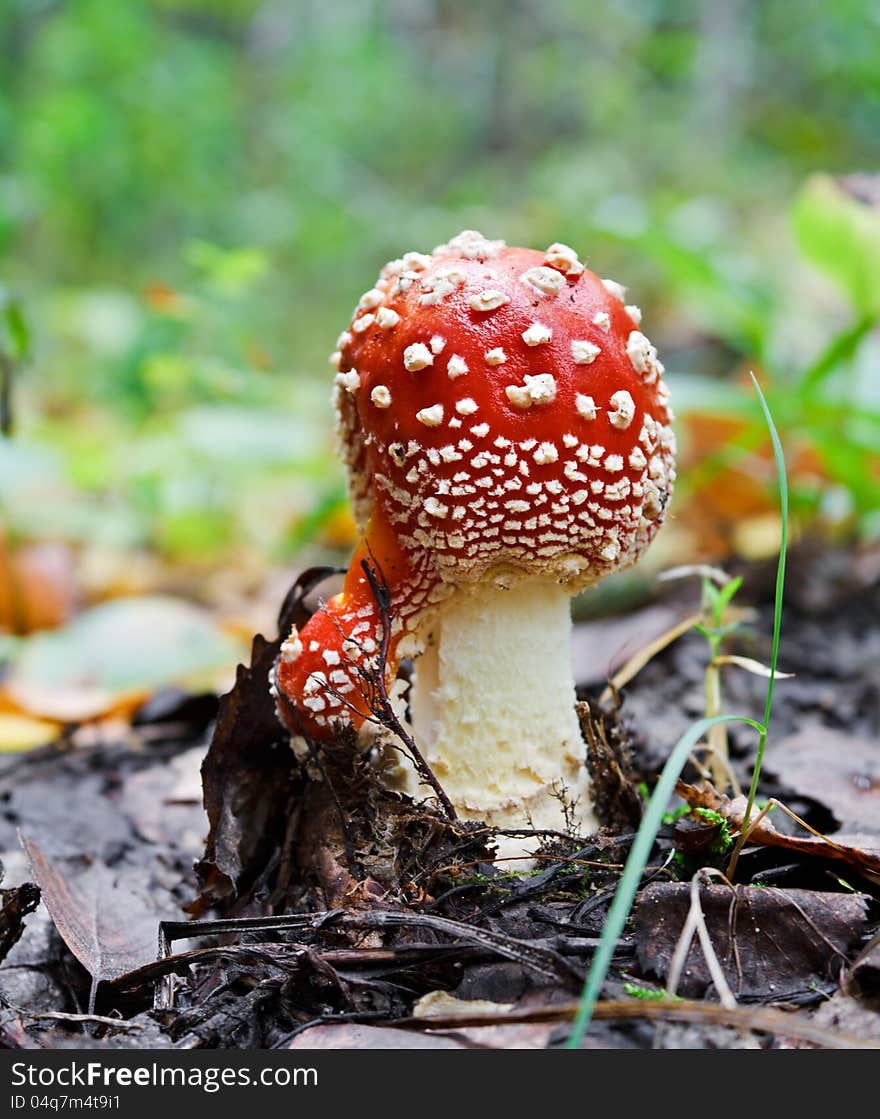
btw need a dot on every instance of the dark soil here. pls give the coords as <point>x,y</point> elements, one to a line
<point>335,914</point>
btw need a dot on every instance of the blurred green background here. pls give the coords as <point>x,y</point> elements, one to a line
<point>193,194</point>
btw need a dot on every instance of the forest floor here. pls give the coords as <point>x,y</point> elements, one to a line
<point>406,935</point>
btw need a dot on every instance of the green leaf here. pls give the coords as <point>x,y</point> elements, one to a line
<point>648,994</point>
<point>840,233</point>
<point>711,592</point>
<point>726,593</point>
<point>18,330</point>
<point>720,631</point>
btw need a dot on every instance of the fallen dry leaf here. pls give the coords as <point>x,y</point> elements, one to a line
<point>37,585</point>
<point>440,1004</point>
<point>836,769</point>
<point>769,942</point>
<point>601,646</point>
<point>516,1035</point>
<point>164,802</point>
<point>246,779</point>
<point>246,773</point>
<point>106,925</point>
<point>16,903</point>
<point>864,975</point>
<point>22,732</point>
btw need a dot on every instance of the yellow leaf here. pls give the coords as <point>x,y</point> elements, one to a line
<point>20,732</point>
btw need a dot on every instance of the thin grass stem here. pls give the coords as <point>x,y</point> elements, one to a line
<point>782,482</point>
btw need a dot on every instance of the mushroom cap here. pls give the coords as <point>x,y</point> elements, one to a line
<point>502,409</point>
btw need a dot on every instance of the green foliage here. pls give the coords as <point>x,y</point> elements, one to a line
<point>671,816</point>
<point>716,598</point>
<point>827,407</point>
<point>723,292</point>
<point>713,817</point>
<point>189,440</point>
<point>193,195</point>
<point>230,272</point>
<point>840,233</point>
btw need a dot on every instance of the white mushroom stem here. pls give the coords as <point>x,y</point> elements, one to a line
<point>493,708</point>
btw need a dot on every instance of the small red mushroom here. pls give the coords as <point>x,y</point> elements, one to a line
<point>506,430</point>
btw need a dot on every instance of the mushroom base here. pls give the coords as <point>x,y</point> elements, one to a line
<point>493,709</point>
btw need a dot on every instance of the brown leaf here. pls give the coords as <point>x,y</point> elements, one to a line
<point>164,802</point>
<point>838,770</point>
<point>17,904</point>
<point>37,585</point>
<point>246,782</point>
<point>600,647</point>
<point>246,774</point>
<point>769,942</point>
<point>862,857</point>
<point>103,922</point>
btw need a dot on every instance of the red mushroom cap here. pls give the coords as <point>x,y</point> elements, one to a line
<point>502,416</point>
<point>504,409</point>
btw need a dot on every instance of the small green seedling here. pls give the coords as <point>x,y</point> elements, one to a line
<point>648,994</point>
<point>715,602</point>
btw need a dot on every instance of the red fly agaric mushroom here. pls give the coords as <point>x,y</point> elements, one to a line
<point>506,430</point>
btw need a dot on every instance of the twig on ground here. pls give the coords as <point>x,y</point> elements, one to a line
<point>763,1019</point>
<point>64,1016</point>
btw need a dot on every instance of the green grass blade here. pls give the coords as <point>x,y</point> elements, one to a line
<point>782,482</point>
<point>635,865</point>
